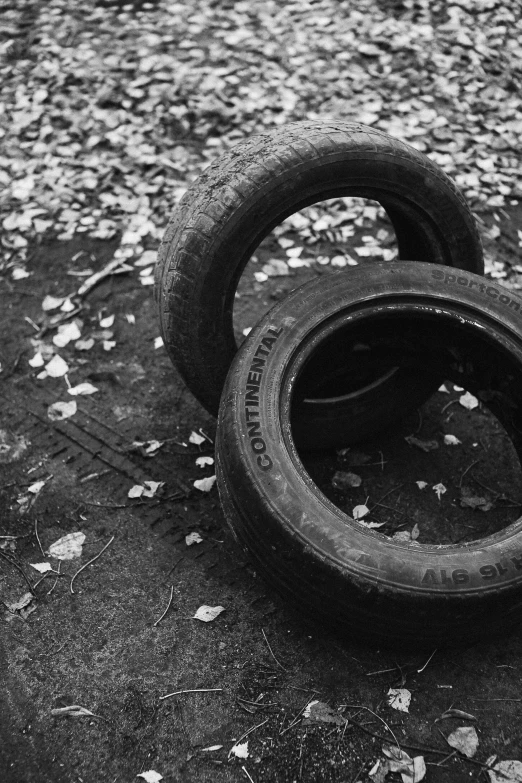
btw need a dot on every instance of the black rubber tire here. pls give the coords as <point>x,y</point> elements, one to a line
<point>358,580</point>
<point>241,197</point>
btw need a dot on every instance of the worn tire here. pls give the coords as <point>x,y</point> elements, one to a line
<point>359,580</point>
<point>239,199</point>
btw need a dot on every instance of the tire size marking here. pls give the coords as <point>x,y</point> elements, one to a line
<point>460,576</point>
<point>254,377</point>
<point>484,288</point>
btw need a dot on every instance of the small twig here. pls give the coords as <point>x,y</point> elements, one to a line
<point>380,671</point>
<point>393,489</point>
<point>149,502</point>
<point>90,563</point>
<point>272,652</point>
<point>296,718</point>
<point>451,402</point>
<point>20,569</point>
<point>249,731</point>
<point>419,671</point>
<point>37,536</point>
<point>247,773</point>
<point>207,437</point>
<point>192,690</point>
<point>500,495</point>
<point>57,577</point>
<point>167,609</point>
<point>362,707</point>
<point>468,468</point>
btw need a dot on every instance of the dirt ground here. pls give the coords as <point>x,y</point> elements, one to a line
<point>103,647</point>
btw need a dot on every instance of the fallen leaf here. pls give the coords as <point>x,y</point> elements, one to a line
<point>82,388</point>
<point>465,740</point>
<point>202,461</point>
<point>439,490</point>
<point>158,342</point>
<point>260,277</point>
<point>19,274</point>
<point>211,748</point>
<point>196,438</point>
<point>36,487</point>
<point>399,699</point>
<point>84,345</point>
<point>57,367</point>
<point>443,389</point>
<point>130,318</point>
<point>246,331</point>
<point>193,538</point>
<point>74,711</point>
<point>108,345</point>
<point>240,750</point>
<point>147,490</point>
<point>453,713</point>
<point>66,333</point>
<point>151,776</point>
<point>412,770</point>
<point>107,322</point>
<point>422,484</point>
<point>275,267</point>
<point>37,360</point>
<point>205,484</point>
<point>42,567</point>
<point>424,445</point>
<point>360,511</point>
<point>208,613</point>
<point>451,440</point>
<point>319,712</point>
<point>67,547</point>
<point>468,401</point>
<point>61,410</point>
<point>147,258</point>
<point>469,500</point>
<point>52,302</point>
<point>346,480</point>
<point>506,772</point>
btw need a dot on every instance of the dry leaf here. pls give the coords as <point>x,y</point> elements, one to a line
<point>208,613</point>
<point>147,490</point>
<point>345,480</point>
<point>465,740</point>
<point>453,713</point>
<point>240,751</point>
<point>196,438</point>
<point>66,333</point>
<point>84,345</point>
<point>37,360</point>
<point>52,302</point>
<point>193,538</point>
<point>319,712</point>
<point>412,770</point>
<point>439,489</point>
<point>211,748</point>
<point>57,367</point>
<point>399,699</point>
<point>424,445</point>
<point>82,388</point>
<point>422,484</point>
<point>451,440</point>
<point>151,776</point>
<point>468,401</point>
<point>61,410</point>
<point>158,342</point>
<point>205,484</point>
<point>74,711</point>
<point>107,322</point>
<point>67,547</point>
<point>42,567</point>
<point>506,772</point>
<point>360,511</point>
<point>203,461</point>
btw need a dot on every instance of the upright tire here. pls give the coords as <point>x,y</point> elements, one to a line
<point>239,199</point>
<point>358,580</point>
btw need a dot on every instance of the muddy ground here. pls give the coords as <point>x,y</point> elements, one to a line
<point>103,647</point>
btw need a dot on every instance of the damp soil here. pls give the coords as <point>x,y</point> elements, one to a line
<point>103,647</point>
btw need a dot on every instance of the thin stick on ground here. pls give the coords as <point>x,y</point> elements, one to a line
<point>468,468</point>
<point>191,690</point>
<point>419,671</point>
<point>167,609</point>
<point>20,569</point>
<point>90,563</point>
<point>247,773</point>
<point>57,577</point>
<point>37,536</point>
<point>271,651</point>
<point>249,731</point>
<point>362,707</point>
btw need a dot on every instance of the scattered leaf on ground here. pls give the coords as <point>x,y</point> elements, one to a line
<point>319,712</point>
<point>425,445</point>
<point>465,740</point>
<point>211,748</point>
<point>158,342</point>
<point>506,772</point>
<point>346,480</point>
<point>468,401</point>
<point>469,500</point>
<point>193,538</point>
<point>360,511</point>
<point>439,489</point>
<point>42,567</point>
<point>57,367</point>
<point>84,345</point>
<point>66,333</point>
<point>422,484</point>
<point>147,490</point>
<point>208,613</point>
<point>205,484</point>
<point>74,711</point>
<point>68,547</point>
<point>151,776</point>
<point>451,440</point>
<point>399,699</point>
<point>107,322</point>
<point>412,770</point>
<point>240,750</point>
<point>196,438</point>
<point>52,302</point>
<point>202,461</point>
<point>61,410</point>
<point>453,713</point>
<point>82,388</point>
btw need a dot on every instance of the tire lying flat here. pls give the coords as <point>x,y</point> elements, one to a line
<point>242,196</point>
<point>358,580</point>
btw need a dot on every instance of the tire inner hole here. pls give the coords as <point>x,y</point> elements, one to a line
<point>446,473</point>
